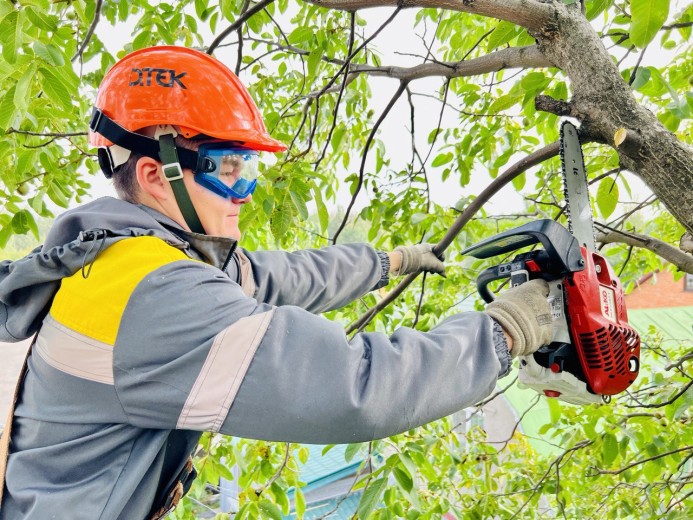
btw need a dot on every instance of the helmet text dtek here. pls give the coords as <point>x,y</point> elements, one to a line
<point>163,77</point>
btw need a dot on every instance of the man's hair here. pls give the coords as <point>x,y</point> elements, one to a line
<point>125,175</point>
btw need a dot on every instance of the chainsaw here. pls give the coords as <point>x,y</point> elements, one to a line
<point>594,352</point>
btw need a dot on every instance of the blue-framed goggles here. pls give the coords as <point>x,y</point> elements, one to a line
<point>227,170</point>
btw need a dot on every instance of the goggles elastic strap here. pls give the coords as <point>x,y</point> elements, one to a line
<point>174,174</point>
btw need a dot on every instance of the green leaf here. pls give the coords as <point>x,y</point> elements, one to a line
<point>403,478</point>
<point>352,450</point>
<point>300,204</point>
<point>49,53</point>
<point>504,102</point>
<point>595,7</point>
<point>554,410</point>
<point>502,34</point>
<point>519,181</point>
<point>300,503</point>
<point>323,214</point>
<point>23,221</point>
<point>270,509</point>
<point>11,35</point>
<point>609,449</point>
<point>55,88</point>
<point>371,497</point>
<point>642,76</point>
<point>23,91</point>
<point>607,196</point>
<point>442,159</point>
<point>314,60</point>
<point>7,109</point>
<point>281,218</point>
<point>57,196</point>
<point>647,17</point>
<point>301,34</point>
<point>41,20</point>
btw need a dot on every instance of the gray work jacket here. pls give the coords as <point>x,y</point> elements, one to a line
<point>150,335</point>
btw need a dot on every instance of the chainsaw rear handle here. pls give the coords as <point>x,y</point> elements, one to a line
<point>498,272</point>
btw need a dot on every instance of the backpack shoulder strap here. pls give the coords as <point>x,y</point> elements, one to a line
<point>7,430</point>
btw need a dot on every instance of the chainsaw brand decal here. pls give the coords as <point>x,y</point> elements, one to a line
<point>163,77</point>
<point>607,303</point>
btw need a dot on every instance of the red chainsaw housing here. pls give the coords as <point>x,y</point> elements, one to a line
<point>608,347</point>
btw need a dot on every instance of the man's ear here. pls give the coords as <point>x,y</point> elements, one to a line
<point>151,180</point>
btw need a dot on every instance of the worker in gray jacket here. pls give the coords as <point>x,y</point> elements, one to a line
<point>153,326</point>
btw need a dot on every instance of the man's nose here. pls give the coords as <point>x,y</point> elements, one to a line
<point>244,200</point>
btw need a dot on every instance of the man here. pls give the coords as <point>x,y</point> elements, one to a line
<point>154,327</point>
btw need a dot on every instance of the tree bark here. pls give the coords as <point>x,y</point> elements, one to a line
<point>603,103</point>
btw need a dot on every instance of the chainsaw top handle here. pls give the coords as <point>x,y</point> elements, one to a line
<point>561,255</point>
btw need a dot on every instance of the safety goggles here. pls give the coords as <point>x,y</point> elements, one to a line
<point>228,171</point>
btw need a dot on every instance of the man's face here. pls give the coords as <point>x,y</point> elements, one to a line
<point>218,215</point>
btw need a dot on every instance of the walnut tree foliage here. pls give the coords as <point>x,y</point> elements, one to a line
<point>493,78</point>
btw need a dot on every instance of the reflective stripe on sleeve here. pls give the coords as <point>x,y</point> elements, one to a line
<point>74,353</point>
<point>222,373</point>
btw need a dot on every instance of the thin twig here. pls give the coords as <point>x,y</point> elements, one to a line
<point>238,23</point>
<point>239,32</point>
<point>277,474</point>
<point>639,462</point>
<point>45,134</point>
<point>335,112</point>
<point>635,69</point>
<point>371,136</point>
<point>90,32</point>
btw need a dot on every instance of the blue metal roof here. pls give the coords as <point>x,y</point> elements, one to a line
<point>321,470</point>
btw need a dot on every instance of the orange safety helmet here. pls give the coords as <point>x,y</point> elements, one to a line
<point>189,89</point>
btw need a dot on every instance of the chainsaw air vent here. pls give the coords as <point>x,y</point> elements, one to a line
<point>605,348</point>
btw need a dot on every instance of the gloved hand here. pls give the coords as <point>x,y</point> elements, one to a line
<point>525,314</point>
<point>418,258</point>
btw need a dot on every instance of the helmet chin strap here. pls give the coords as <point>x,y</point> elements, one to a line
<point>174,175</point>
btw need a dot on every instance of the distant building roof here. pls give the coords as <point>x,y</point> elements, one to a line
<point>673,322</point>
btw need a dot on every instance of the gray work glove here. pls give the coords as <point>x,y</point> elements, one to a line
<point>525,314</point>
<point>418,258</point>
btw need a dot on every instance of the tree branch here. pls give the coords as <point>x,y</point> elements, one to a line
<point>513,57</point>
<point>643,461</point>
<point>342,88</point>
<point>507,176</point>
<point>531,14</point>
<point>371,136</point>
<point>239,33</point>
<point>238,23</point>
<point>681,260</point>
<point>90,32</point>
<point>45,134</point>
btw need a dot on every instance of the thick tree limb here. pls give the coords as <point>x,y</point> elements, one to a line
<point>507,176</point>
<point>534,15</point>
<point>686,243</point>
<point>683,261</point>
<point>514,57</point>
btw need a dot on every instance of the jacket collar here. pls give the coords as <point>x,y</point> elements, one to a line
<point>212,250</point>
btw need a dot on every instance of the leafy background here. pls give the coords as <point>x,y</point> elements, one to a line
<point>410,180</point>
